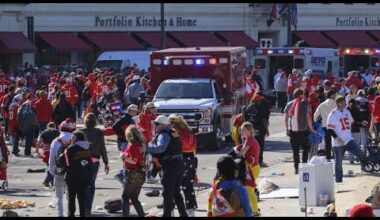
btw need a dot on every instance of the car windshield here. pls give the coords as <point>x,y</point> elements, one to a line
<point>114,64</point>
<point>185,90</point>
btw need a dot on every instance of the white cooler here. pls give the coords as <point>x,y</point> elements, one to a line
<point>318,178</point>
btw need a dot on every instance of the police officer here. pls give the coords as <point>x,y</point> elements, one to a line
<point>166,144</point>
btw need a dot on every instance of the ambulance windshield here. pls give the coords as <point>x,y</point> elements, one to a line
<point>185,91</point>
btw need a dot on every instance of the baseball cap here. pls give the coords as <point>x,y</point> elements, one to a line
<point>136,77</point>
<point>149,105</point>
<point>226,164</point>
<point>162,119</point>
<point>66,125</point>
<point>339,99</point>
<point>132,107</point>
<point>361,210</point>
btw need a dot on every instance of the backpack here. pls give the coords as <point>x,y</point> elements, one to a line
<point>61,160</point>
<point>224,203</point>
<point>86,93</point>
<point>250,114</point>
<point>26,118</point>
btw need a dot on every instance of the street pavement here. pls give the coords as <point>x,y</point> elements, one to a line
<point>28,186</point>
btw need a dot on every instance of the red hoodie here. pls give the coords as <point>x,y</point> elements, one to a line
<point>354,80</point>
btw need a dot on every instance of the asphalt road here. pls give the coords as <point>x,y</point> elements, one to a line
<point>28,186</point>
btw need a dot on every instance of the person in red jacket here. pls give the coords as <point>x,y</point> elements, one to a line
<point>293,83</point>
<point>145,123</point>
<point>189,148</point>
<point>70,92</point>
<point>44,110</point>
<point>315,81</point>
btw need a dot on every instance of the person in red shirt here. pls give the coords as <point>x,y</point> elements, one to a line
<point>330,77</point>
<point>251,86</point>
<point>102,87</point>
<point>145,123</point>
<point>44,110</point>
<point>375,122</point>
<point>91,84</point>
<point>251,152</point>
<point>133,174</point>
<point>12,116</point>
<point>70,92</point>
<point>306,81</point>
<point>313,101</point>
<point>51,87</point>
<point>5,103</point>
<point>293,83</point>
<point>354,80</point>
<point>145,83</point>
<point>4,84</point>
<point>189,148</point>
<point>315,81</point>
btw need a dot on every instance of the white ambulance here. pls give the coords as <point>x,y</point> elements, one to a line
<point>320,60</point>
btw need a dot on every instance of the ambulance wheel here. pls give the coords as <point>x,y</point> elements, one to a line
<point>5,185</point>
<point>376,167</point>
<point>368,167</point>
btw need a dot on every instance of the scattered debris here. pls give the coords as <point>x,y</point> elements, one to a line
<point>266,186</point>
<point>153,193</point>
<point>277,174</point>
<point>310,210</point>
<point>286,159</point>
<point>99,208</point>
<point>9,204</point>
<point>36,170</point>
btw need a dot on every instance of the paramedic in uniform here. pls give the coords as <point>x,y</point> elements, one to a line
<point>339,124</point>
<point>167,145</point>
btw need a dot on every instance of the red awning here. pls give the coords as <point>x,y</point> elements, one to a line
<point>15,42</point>
<point>198,38</point>
<point>352,38</point>
<point>64,41</point>
<point>113,40</point>
<point>315,39</point>
<point>239,38</point>
<point>154,39</point>
<point>376,34</point>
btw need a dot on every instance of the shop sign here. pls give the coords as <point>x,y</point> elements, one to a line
<point>370,21</point>
<point>142,21</point>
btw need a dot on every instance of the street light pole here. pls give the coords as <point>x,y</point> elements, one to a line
<point>162,27</point>
<point>289,26</point>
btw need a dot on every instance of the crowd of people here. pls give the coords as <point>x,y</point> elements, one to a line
<point>45,113</point>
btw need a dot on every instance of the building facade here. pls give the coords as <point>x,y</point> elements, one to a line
<point>64,33</point>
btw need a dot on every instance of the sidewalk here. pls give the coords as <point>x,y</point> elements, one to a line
<point>353,190</point>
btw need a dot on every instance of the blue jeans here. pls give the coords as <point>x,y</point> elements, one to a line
<point>339,153</point>
<point>49,177</point>
<point>121,145</point>
<point>90,192</point>
<point>290,97</point>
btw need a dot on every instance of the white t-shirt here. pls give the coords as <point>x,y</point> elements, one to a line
<point>341,123</point>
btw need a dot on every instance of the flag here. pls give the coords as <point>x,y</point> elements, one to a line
<point>293,14</point>
<point>275,13</point>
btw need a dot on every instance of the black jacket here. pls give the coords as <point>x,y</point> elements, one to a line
<point>120,125</point>
<point>79,168</point>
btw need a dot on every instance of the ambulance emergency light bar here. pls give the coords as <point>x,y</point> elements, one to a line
<point>190,60</point>
<point>359,51</point>
<point>283,51</point>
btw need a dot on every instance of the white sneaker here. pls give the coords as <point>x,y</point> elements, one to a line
<point>190,212</point>
<point>151,180</point>
<point>52,204</point>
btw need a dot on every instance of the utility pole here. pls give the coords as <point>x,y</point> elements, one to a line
<point>289,25</point>
<point>162,27</point>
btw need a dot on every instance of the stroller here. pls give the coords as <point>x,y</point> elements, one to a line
<point>372,156</point>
